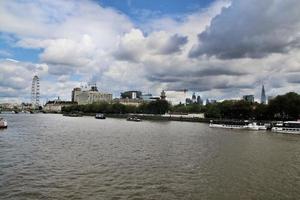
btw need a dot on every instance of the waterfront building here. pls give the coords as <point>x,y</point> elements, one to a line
<point>132,102</point>
<point>90,96</point>
<point>75,92</point>
<point>263,99</point>
<point>163,95</point>
<point>146,97</point>
<point>55,106</point>
<point>249,98</point>
<point>8,106</point>
<point>131,95</point>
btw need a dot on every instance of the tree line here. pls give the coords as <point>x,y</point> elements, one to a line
<point>282,107</point>
<point>154,107</point>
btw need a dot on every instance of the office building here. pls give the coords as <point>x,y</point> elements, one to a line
<point>90,96</point>
<point>263,98</point>
<point>194,99</point>
<point>249,98</point>
<point>131,95</point>
<point>199,100</point>
<point>55,106</point>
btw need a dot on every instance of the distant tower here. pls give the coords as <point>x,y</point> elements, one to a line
<point>207,102</point>
<point>194,99</point>
<point>263,98</point>
<point>199,100</point>
<point>163,95</point>
<point>35,92</point>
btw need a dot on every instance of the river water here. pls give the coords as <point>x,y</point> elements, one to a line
<point>48,156</point>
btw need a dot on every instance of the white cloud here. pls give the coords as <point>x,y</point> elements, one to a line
<point>84,40</point>
<point>251,28</point>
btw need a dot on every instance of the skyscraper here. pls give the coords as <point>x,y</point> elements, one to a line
<point>249,98</point>
<point>199,100</point>
<point>263,98</point>
<point>35,92</point>
<point>194,99</point>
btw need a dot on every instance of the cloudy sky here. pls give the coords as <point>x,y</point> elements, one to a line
<point>218,48</point>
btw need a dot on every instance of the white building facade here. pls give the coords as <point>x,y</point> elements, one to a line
<point>89,97</point>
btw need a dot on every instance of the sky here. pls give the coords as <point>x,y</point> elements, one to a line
<point>219,49</point>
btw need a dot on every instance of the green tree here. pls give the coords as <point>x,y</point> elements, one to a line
<point>285,107</point>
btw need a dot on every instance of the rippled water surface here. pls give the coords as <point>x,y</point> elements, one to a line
<point>55,157</point>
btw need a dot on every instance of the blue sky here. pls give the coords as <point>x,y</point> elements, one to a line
<point>138,10</point>
<point>159,7</point>
<point>221,49</point>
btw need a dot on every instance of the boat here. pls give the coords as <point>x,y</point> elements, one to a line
<point>134,119</point>
<point>100,116</point>
<point>8,112</point>
<point>237,124</point>
<point>257,126</point>
<point>3,123</point>
<point>287,127</point>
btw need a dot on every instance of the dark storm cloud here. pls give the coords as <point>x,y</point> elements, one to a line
<point>174,44</point>
<point>293,78</point>
<point>218,72</point>
<point>203,80</point>
<point>251,28</point>
<point>175,76</point>
<point>207,84</point>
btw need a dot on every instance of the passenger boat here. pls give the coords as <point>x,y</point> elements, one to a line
<point>242,124</point>
<point>100,116</point>
<point>287,127</point>
<point>3,123</point>
<point>135,119</point>
<point>257,126</point>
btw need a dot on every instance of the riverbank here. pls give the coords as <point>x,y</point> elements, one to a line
<point>186,118</point>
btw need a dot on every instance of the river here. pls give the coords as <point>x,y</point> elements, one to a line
<point>49,156</point>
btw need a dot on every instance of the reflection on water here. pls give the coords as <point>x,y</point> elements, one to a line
<point>55,157</point>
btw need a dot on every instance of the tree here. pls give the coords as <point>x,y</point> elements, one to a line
<point>285,107</point>
<point>212,111</point>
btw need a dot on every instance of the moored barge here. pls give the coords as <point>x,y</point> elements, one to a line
<point>237,124</point>
<point>292,127</point>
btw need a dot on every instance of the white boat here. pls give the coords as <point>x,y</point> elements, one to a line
<point>257,126</point>
<point>100,116</point>
<point>229,124</point>
<point>3,123</point>
<point>287,127</point>
<point>134,119</point>
<point>8,112</point>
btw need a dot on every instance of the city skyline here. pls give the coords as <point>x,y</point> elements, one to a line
<point>137,45</point>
